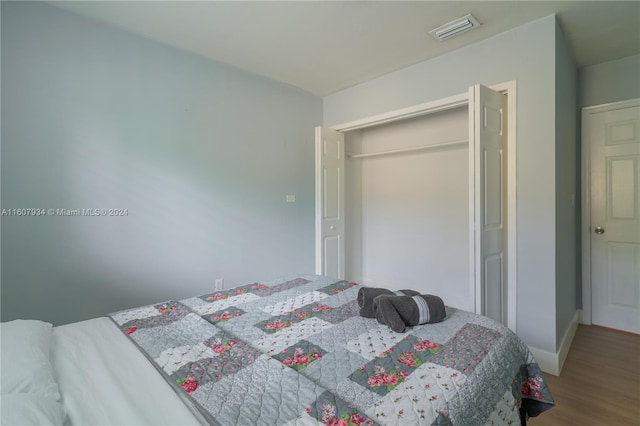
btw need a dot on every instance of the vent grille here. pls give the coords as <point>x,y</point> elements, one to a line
<point>453,28</point>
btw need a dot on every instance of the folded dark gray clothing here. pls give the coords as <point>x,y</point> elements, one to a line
<point>400,311</point>
<point>367,294</point>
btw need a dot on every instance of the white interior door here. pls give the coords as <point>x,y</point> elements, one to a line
<point>487,184</point>
<point>330,245</point>
<point>615,218</point>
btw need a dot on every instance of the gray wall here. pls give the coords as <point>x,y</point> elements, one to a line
<point>567,187</point>
<point>202,155</point>
<point>525,54</point>
<point>610,81</point>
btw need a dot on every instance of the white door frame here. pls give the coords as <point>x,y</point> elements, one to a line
<point>586,200</point>
<point>510,89</point>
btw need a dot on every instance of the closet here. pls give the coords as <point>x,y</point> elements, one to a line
<point>418,198</point>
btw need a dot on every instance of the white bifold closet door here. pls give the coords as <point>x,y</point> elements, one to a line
<point>330,253</point>
<point>487,212</point>
<point>487,186</point>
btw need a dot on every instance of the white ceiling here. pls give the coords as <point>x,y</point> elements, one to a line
<point>326,46</point>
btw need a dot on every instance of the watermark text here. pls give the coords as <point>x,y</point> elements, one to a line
<point>50,211</point>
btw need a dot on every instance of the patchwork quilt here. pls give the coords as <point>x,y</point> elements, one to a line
<point>295,352</point>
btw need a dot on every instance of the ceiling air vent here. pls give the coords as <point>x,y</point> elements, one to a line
<point>453,28</point>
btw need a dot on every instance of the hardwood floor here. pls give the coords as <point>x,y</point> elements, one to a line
<point>600,381</point>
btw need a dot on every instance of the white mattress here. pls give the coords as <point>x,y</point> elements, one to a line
<point>105,380</point>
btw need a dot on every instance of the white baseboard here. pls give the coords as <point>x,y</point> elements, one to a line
<point>552,362</point>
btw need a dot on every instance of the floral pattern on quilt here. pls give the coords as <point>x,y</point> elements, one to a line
<point>258,289</point>
<point>529,386</point>
<point>224,302</point>
<point>172,359</point>
<point>295,351</point>
<point>331,410</point>
<point>312,310</point>
<point>157,315</point>
<point>227,357</point>
<point>291,333</point>
<point>467,348</point>
<point>424,394</point>
<point>338,287</point>
<point>224,315</point>
<point>392,367</point>
<point>300,355</point>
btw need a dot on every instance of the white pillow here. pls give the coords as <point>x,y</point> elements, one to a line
<point>30,409</point>
<point>24,359</point>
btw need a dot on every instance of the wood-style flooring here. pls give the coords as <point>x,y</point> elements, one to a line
<point>600,381</point>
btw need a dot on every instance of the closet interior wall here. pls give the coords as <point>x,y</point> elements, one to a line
<point>407,214</point>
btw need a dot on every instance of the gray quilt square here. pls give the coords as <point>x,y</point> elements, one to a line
<point>354,393</point>
<point>333,367</point>
<point>253,396</point>
<point>287,285</point>
<point>188,331</point>
<point>340,313</point>
<point>467,348</point>
<point>231,355</point>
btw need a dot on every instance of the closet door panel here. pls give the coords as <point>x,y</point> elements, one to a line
<point>486,157</point>
<point>492,178</point>
<point>330,203</point>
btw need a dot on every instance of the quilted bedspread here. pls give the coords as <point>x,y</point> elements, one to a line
<point>295,352</point>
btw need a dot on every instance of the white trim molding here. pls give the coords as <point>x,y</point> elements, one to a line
<point>510,88</point>
<point>405,113</point>
<point>551,362</point>
<point>586,199</point>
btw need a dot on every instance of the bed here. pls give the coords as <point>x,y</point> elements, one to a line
<point>293,351</point>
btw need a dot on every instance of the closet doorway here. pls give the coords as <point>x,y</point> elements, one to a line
<point>424,198</point>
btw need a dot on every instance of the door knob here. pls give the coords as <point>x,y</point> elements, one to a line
<point>599,230</point>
